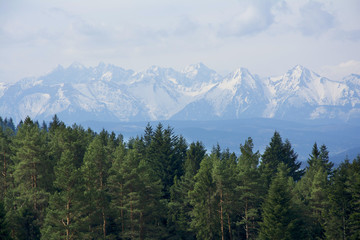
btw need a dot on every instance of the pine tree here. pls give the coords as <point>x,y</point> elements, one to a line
<point>353,187</point>
<point>225,180</point>
<point>204,214</point>
<point>5,163</point>
<point>4,231</point>
<point>312,190</point>
<point>166,155</point>
<point>249,189</point>
<point>65,206</point>
<point>342,218</point>
<point>179,205</point>
<point>95,172</point>
<point>138,197</point>
<point>29,196</point>
<point>279,152</point>
<point>280,218</point>
<point>116,190</point>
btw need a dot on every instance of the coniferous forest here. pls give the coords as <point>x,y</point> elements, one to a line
<point>67,182</point>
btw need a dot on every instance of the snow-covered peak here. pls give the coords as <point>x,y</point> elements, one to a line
<point>241,73</point>
<point>296,78</point>
<point>159,93</point>
<point>197,70</point>
<point>76,65</point>
<point>353,79</point>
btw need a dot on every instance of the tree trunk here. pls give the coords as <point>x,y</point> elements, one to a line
<point>122,210</point>
<point>246,219</point>
<point>229,223</point>
<point>221,216</point>
<point>68,220</point>
<point>4,175</point>
<point>141,226</point>
<point>104,222</point>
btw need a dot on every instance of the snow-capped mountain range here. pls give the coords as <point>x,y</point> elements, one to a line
<point>111,93</point>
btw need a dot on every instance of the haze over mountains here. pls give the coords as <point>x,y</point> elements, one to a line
<point>111,93</point>
<point>199,103</point>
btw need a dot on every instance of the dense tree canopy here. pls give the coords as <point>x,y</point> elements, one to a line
<point>62,182</point>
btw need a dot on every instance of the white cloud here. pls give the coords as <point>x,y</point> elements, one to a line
<point>315,19</point>
<point>266,36</point>
<point>252,17</point>
<point>341,70</point>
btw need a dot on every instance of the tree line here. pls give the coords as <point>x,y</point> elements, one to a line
<point>67,182</point>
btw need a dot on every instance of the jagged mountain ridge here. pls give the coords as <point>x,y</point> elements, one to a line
<point>111,93</point>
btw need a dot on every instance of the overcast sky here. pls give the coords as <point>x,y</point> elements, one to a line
<point>267,37</point>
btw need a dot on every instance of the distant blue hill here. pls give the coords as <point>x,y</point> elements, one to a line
<point>341,139</point>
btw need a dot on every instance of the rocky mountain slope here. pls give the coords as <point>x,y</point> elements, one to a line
<point>111,93</point>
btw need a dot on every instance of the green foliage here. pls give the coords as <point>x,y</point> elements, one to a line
<point>4,230</point>
<point>5,163</point>
<point>280,218</point>
<point>204,214</point>
<point>62,182</point>
<point>65,209</point>
<point>279,152</point>
<point>249,190</point>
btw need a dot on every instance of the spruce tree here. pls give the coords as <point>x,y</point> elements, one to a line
<point>249,189</point>
<point>280,216</point>
<point>65,206</point>
<point>205,215</point>
<point>312,190</point>
<point>4,230</point>
<point>138,198</point>
<point>179,205</point>
<point>5,163</point>
<point>279,152</point>
<point>31,178</point>
<point>342,218</point>
<point>225,180</point>
<point>95,172</point>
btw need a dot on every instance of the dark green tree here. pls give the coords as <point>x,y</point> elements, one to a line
<point>279,152</point>
<point>95,173</point>
<point>65,206</point>
<point>138,197</point>
<point>166,155</point>
<point>224,175</point>
<point>280,216</point>
<point>204,215</point>
<point>342,218</point>
<point>179,205</point>
<point>31,179</point>
<point>5,163</point>
<point>249,189</point>
<point>4,230</point>
<point>312,191</point>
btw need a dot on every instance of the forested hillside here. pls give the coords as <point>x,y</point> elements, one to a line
<point>67,182</point>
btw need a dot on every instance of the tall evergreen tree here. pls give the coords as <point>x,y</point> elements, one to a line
<point>95,172</point>
<point>179,205</point>
<point>205,206</point>
<point>342,218</point>
<point>225,180</point>
<point>4,230</point>
<point>30,175</point>
<point>138,198</point>
<point>312,190</point>
<point>166,155</point>
<point>279,152</point>
<point>280,219</point>
<point>353,187</point>
<point>117,190</point>
<point>65,206</point>
<point>249,189</point>
<point>5,163</point>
